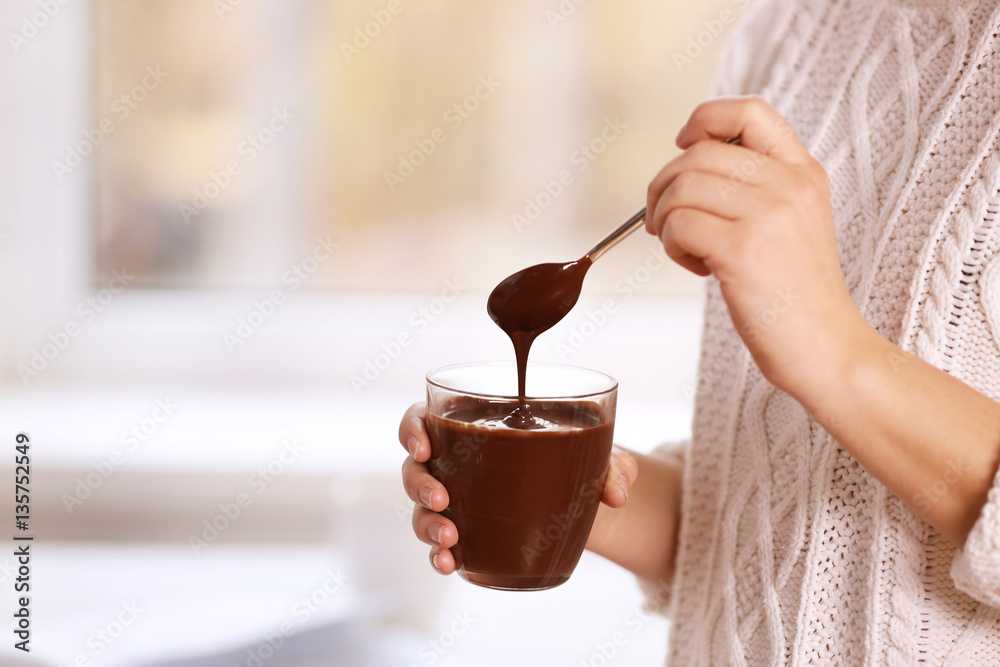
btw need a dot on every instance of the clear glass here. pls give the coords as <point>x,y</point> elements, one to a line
<point>523,501</point>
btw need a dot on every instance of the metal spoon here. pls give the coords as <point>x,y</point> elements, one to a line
<point>627,227</point>
<point>616,236</point>
<point>534,299</point>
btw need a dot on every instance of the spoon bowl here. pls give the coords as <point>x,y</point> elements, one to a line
<point>536,298</point>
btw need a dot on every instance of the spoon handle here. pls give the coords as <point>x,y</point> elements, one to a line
<point>627,227</point>
<point>620,232</point>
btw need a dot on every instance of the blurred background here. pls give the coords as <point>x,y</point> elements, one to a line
<point>235,234</point>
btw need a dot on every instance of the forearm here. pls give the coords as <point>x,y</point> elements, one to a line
<point>642,535</point>
<point>930,439</point>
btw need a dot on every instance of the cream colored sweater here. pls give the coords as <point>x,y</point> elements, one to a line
<point>790,553</point>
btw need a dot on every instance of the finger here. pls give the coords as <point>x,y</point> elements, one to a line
<point>733,166</point>
<point>443,560</point>
<point>711,193</point>
<point>433,529</point>
<point>622,473</point>
<point>690,262</point>
<point>422,488</point>
<point>696,234</point>
<point>413,433</point>
<point>758,125</point>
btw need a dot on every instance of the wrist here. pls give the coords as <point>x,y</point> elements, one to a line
<point>642,535</point>
<point>598,538</point>
<point>827,370</point>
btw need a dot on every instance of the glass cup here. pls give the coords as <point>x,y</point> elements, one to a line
<point>523,501</point>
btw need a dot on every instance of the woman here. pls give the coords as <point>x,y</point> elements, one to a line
<point>838,502</point>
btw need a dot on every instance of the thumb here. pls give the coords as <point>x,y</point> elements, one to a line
<point>622,473</point>
<point>758,125</point>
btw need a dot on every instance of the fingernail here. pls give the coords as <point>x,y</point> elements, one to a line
<point>435,533</point>
<point>425,497</point>
<point>622,482</point>
<point>434,561</point>
<point>678,137</point>
<point>411,445</point>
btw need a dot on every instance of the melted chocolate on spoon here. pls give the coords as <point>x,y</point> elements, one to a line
<point>528,303</point>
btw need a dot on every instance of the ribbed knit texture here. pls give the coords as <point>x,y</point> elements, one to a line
<point>790,553</point>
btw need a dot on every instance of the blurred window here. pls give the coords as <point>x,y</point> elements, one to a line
<point>426,139</point>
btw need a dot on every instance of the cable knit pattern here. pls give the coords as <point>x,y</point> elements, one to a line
<point>790,553</point>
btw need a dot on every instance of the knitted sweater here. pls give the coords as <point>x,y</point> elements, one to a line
<point>789,551</point>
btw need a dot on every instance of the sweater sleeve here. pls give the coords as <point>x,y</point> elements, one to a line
<point>976,568</point>
<point>658,592</point>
